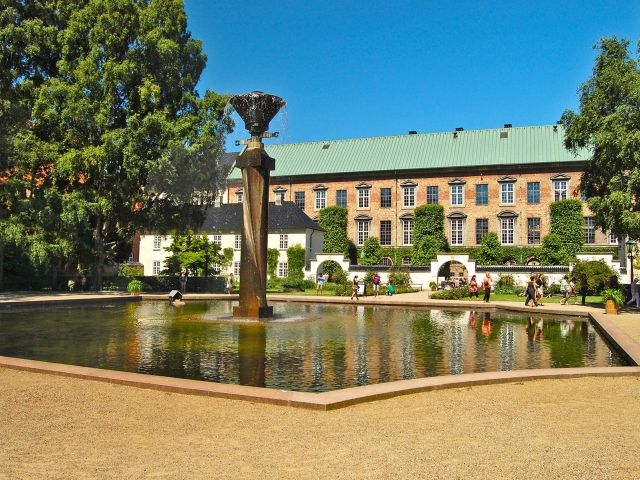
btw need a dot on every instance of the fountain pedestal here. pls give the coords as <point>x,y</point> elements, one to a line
<point>256,166</point>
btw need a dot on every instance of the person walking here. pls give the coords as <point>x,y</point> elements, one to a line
<point>376,285</point>
<point>486,284</point>
<point>531,292</point>
<point>635,293</point>
<point>354,288</point>
<point>564,289</point>
<point>230,284</point>
<point>473,287</point>
<point>540,289</point>
<point>320,284</point>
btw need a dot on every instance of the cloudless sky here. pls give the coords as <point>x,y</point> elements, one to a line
<point>372,68</point>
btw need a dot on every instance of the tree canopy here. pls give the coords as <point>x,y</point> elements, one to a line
<point>608,124</point>
<point>107,133</point>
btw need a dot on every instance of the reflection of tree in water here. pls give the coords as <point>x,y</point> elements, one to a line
<point>427,343</point>
<point>566,345</point>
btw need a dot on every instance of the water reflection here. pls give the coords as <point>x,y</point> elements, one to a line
<point>335,347</point>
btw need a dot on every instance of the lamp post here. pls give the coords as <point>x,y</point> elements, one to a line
<point>630,245</point>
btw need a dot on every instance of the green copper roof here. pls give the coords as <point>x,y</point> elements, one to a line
<point>468,148</point>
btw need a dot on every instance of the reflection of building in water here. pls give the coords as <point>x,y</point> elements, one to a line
<point>507,347</point>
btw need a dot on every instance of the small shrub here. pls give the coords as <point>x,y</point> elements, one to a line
<point>614,295</point>
<point>135,286</point>
<point>400,278</point>
<point>506,281</point>
<point>452,294</point>
<point>339,277</point>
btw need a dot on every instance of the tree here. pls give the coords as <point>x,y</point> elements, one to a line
<point>334,221</point>
<point>428,233</point>
<point>553,250</point>
<point>296,257</point>
<point>273,255</point>
<point>191,252</point>
<point>490,252</point>
<point>596,274</point>
<point>118,138</point>
<point>568,223</point>
<point>371,252</point>
<point>608,126</point>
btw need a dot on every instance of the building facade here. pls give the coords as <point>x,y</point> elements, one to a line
<point>288,226</point>
<point>498,180</point>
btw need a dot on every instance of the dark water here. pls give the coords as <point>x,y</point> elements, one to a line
<point>332,347</point>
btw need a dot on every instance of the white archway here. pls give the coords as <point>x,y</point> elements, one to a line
<point>442,259</point>
<point>324,257</point>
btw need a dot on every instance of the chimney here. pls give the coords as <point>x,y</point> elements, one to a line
<point>507,125</point>
<point>459,129</point>
<point>413,132</point>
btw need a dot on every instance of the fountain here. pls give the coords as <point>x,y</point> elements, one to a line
<point>257,109</point>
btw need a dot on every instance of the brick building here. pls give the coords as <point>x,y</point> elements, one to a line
<point>498,180</point>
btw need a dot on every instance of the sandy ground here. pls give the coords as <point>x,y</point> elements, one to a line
<point>58,427</point>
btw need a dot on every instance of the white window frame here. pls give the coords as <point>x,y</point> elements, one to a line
<point>283,241</point>
<point>217,239</point>
<point>507,193</point>
<point>613,240</point>
<point>237,242</point>
<point>363,229</point>
<point>279,194</point>
<point>457,195</point>
<point>239,197</point>
<point>560,189</point>
<point>409,196</point>
<point>157,243</point>
<point>236,269</point>
<point>320,199</point>
<point>456,231</point>
<point>157,266</point>
<point>407,231</point>
<point>589,230</point>
<point>283,269</point>
<point>508,230</point>
<point>364,196</point>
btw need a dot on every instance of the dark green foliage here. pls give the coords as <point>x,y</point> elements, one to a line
<point>523,254</point>
<point>608,124</point>
<point>296,260</point>
<point>451,294</point>
<point>596,274</point>
<point>334,221</point>
<point>491,252</point>
<point>338,276</point>
<point>130,271</point>
<point>371,252</point>
<point>400,278</point>
<point>428,234</point>
<point>568,223</point>
<point>273,255</point>
<point>192,252</point>
<point>227,257</point>
<point>553,250</point>
<point>329,267</point>
<point>297,284</point>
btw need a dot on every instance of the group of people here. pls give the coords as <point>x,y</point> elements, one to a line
<point>376,281</point>
<point>534,290</point>
<point>485,284</point>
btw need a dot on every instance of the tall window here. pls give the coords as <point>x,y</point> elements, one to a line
<point>385,232</point>
<point>533,192</point>
<point>457,195</point>
<point>363,231</point>
<point>407,231</point>
<point>507,228</point>
<point>239,197</point>
<point>457,231</point>
<point>363,198</point>
<point>236,268</point>
<point>589,230</point>
<point>299,199</point>
<point>506,193</point>
<point>432,194</point>
<point>156,267</point>
<point>533,231</point>
<point>385,198</point>
<point>559,190</point>
<point>341,198</point>
<point>157,242</point>
<point>217,239</point>
<point>409,197</point>
<point>283,269</point>
<point>482,194</point>
<point>482,228</point>
<point>321,199</point>
<point>237,242</point>
<point>284,242</point>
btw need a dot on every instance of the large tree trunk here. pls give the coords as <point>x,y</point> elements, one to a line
<point>98,249</point>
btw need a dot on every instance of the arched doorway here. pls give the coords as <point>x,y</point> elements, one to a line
<point>452,274</point>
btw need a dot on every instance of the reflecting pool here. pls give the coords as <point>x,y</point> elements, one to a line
<point>308,348</point>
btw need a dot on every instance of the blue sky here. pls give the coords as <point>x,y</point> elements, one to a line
<point>359,69</point>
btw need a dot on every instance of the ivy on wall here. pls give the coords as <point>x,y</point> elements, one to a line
<point>567,222</point>
<point>428,233</point>
<point>334,221</point>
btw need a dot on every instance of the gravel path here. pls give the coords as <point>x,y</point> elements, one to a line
<point>57,427</point>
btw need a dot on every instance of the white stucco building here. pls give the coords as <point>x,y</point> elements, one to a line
<point>288,225</point>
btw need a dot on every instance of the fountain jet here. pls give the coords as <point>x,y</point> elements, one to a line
<point>257,109</point>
